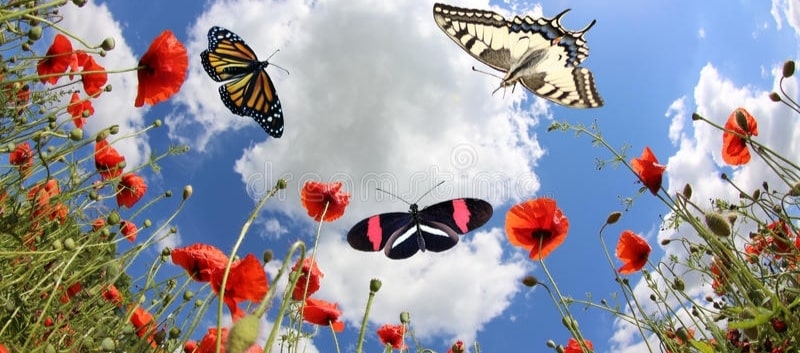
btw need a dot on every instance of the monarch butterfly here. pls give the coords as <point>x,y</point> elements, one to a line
<point>250,91</point>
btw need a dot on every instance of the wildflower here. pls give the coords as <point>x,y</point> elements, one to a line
<point>94,75</point>
<point>79,109</point>
<point>142,321</point>
<point>162,69</point>
<point>3,348</point>
<point>130,189</point>
<point>315,196</point>
<point>40,196</point>
<point>633,251</point>
<point>70,293</point>
<point>246,281</point>
<point>107,160</point>
<point>199,260</point>
<point>98,224</point>
<point>573,346</point>
<point>392,335</point>
<point>536,225</point>
<point>320,312</point>
<point>128,230</point>
<point>734,139</point>
<point>648,170</point>
<point>191,347</point>
<point>59,57</point>
<point>457,347</point>
<point>59,212</point>
<point>112,295</point>
<point>209,343</point>
<point>22,157</point>
<point>311,275</point>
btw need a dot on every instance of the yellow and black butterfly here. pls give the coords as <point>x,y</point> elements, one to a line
<point>250,91</point>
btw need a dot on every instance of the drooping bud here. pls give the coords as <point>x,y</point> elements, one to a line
<point>76,134</point>
<point>613,217</point>
<point>108,44</point>
<point>788,69</point>
<point>696,117</point>
<point>718,224</point>
<point>530,281</point>
<point>187,192</point>
<point>267,256</point>
<point>687,191</point>
<point>775,97</point>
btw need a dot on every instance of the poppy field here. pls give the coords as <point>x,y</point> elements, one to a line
<point>75,223</point>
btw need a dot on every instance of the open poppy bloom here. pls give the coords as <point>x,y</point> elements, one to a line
<point>22,157</point>
<point>246,281</point>
<point>392,335</point>
<point>311,275</point>
<point>128,230</point>
<point>315,196</point>
<point>59,57</point>
<point>142,321</point>
<point>112,295</point>
<point>648,170</point>
<point>573,346</point>
<point>457,347</point>
<point>70,292</point>
<point>130,189</point>
<point>209,343</point>
<point>719,276</point>
<point>536,225</point>
<point>162,69</point>
<point>40,196</point>
<point>94,75</point>
<point>734,143</point>
<point>79,109</point>
<point>320,312</point>
<point>199,260</point>
<point>107,160</point>
<point>633,251</point>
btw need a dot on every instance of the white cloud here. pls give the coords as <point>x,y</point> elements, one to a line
<point>788,10</point>
<point>701,33</point>
<point>272,228</point>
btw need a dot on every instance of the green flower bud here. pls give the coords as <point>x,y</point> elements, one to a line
<point>107,88</point>
<point>374,285</point>
<point>174,333</point>
<point>76,134</point>
<point>113,218</point>
<point>166,251</point>
<point>718,224</point>
<point>188,295</point>
<point>35,33</point>
<point>281,184</point>
<point>114,129</point>
<point>157,123</point>
<point>58,245</point>
<point>159,337</point>
<point>243,334</point>
<point>569,323</point>
<point>405,318</point>
<point>168,193</point>
<point>678,284</point>
<point>147,223</point>
<point>795,191</point>
<point>187,192</point>
<point>108,44</point>
<point>69,244</point>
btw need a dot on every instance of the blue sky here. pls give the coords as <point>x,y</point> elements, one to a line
<point>375,91</point>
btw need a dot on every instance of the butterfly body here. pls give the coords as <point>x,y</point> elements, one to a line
<point>249,91</point>
<point>535,52</point>
<point>435,228</point>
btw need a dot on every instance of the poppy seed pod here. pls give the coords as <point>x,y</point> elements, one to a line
<point>718,224</point>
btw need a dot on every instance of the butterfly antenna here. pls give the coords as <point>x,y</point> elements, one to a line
<point>493,75</point>
<point>391,194</point>
<point>270,57</point>
<point>429,191</point>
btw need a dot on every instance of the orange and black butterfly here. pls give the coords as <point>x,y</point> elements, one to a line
<point>250,91</point>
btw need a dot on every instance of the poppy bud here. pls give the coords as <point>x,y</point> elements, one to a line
<point>174,332</point>
<point>778,325</point>
<point>107,88</point>
<point>157,123</point>
<point>147,223</point>
<point>108,44</point>
<point>281,184</point>
<point>405,318</point>
<point>741,120</point>
<point>765,185</point>
<point>36,32</point>
<point>187,192</point>
<point>718,224</point>
<point>550,344</point>
<point>243,334</point>
<point>267,256</point>
<point>530,281</point>
<point>795,191</point>
<point>374,285</point>
<point>683,334</point>
<point>76,134</point>
<point>774,97</point>
<point>69,244</point>
<point>159,337</point>
<point>80,3</point>
<point>57,245</point>
<point>696,117</point>
<point>188,295</point>
<point>788,69</point>
<point>113,218</point>
<point>687,191</point>
<point>678,284</point>
<point>114,129</point>
<point>613,217</point>
<point>569,323</point>
<point>665,242</point>
<point>166,251</point>
<point>168,193</point>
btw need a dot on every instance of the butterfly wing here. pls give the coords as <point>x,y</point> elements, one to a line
<point>372,234</point>
<point>250,91</point>
<point>483,34</point>
<point>568,86</point>
<point>458,216</point>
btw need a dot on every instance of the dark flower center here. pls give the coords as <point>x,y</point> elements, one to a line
<point>541,234</point>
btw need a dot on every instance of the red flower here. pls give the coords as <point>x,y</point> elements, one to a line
<point>573,346</point>
<point>3,348</point>
<point>190,347</point>
<point>392,335</point>
<point>142,321</point>
<point>162,69</point>
<point>128,230</point>
<point>648,170</point>
<point>59,212</point>
<point>107,160</point>
<point>112,295</point>
<point>720,278</point>
<point>536,225</point>
<point>734,139</point>
<point>77,108</point>
<point>209,343</point>
<point>315,196</point>
<point>98,224</point>
<point>22,157</point>
<point>200,260</point>
<point>94,75</point>
<point>59,57</point>
<point>309,268</point>
<point>246,281</point>
<point>40,196</point>
<point>633,251</point>
<point>320,312</point>
<point>130,189</point>
<point>457,347</point>
<point>70,293</point>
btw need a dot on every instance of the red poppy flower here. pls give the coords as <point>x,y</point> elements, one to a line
<point>107,160</point>
<point>209,343</point>
<point>112,295</point>
<point>392,335</point>
<point>98,224</point>
<point>633,251</point>
<point>190,347</point>
<point>311,275</point>
<point>457,347</point>
<point>94,76</point>
<point>573,346</point>
<point>59,57</point>
<point>719,277</point>
<point>162,69</point>
<point>130,189</point>
<point>59,212</point>
<point>70,293</point>
<point>648,170</point>
<point>200,260</point>
<point>40,196</point>
<point>734,143</point>
<point>320,312</point>
<point>129,230</point>
<point>536,225</point>
<point>316,195</point>
<point>3,348</point>
<point>246,281</point>
<point>79,109</point>
<point>22,157</point>
<point>142,321</point>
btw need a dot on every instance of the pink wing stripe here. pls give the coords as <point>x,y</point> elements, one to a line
<point>374,232</point>
<point>461,214</point>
